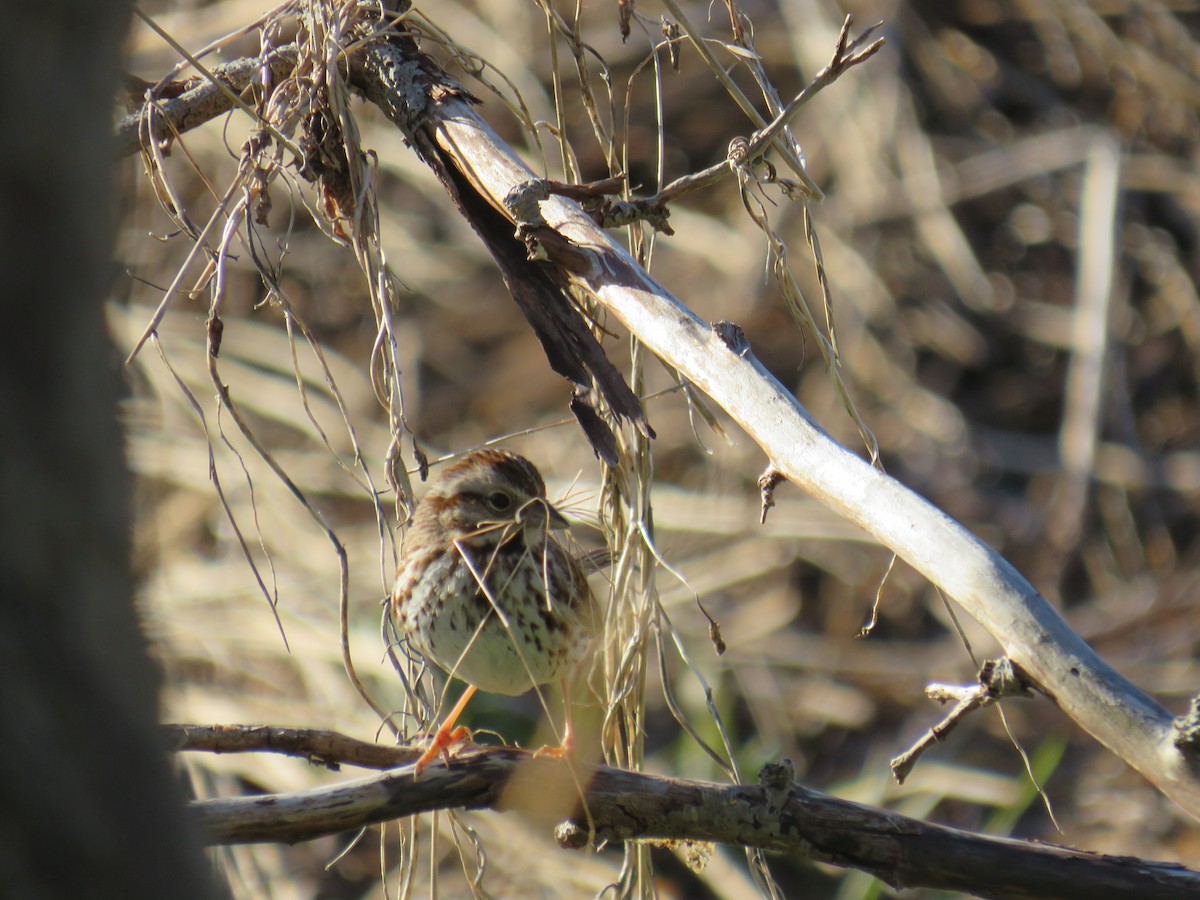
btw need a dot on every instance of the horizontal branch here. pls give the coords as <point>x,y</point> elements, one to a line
<point>777,815</point>
<point>318,746</point>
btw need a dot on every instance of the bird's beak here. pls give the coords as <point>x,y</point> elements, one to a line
<point>555,519</point>
<point>541,513</point>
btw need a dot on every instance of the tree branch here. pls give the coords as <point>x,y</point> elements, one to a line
<point>318,746</point>
<point>198,100</point>
<point>776,815</point>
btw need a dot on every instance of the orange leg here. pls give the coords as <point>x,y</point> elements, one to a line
<point>568,744</point>
<point>568,741</point>
<point>447,735</point>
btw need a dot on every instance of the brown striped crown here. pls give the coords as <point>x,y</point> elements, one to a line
<point>474,498</point>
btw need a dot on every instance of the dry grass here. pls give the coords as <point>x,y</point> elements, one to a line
<point>956,165</point>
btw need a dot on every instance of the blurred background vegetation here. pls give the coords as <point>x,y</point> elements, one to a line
<point>954,164</point>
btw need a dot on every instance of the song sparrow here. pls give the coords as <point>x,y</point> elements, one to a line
<point>485,590</point>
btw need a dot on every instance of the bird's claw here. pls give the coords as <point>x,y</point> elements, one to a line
<point>443,740</point>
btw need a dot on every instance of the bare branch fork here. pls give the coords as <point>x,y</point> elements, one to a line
<point>775,814</point>
<point>997,679</point>
<point>847,54</point>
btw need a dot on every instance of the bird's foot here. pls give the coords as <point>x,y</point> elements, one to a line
<point>443,740</point>
<point>566,751</point>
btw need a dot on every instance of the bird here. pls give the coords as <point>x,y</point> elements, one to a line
<point>486,591</point>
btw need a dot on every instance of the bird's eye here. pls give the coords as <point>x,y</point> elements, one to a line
<point>499,501</point>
